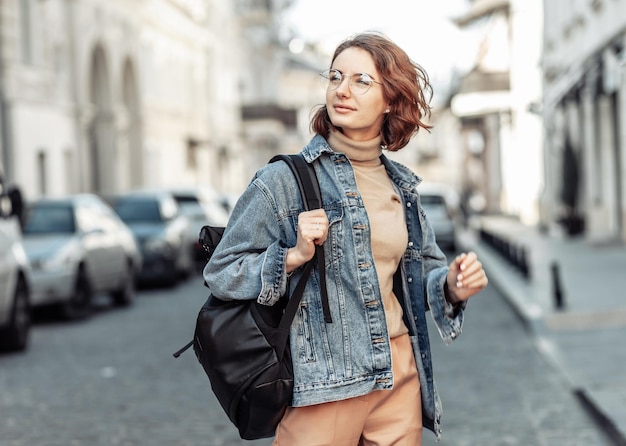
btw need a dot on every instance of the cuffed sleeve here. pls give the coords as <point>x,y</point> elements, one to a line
<point>273,275</point>
<point>448,318</point>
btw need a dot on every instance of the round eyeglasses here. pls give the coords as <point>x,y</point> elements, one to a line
<point>359,83</point>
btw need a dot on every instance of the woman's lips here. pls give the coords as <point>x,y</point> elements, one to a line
<point>342,108</point>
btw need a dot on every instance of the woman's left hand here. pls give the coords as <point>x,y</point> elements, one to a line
<point>466,277</point>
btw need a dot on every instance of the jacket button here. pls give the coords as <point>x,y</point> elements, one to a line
<point>408,204</point>
<point>410,279</point>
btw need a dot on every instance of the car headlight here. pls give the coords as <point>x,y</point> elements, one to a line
<point>63,258</point>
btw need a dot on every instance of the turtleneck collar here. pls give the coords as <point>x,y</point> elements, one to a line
<point>363,152</point>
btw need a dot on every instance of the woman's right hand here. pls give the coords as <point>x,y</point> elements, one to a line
<point>312,230</point>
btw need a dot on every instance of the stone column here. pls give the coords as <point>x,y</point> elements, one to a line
<point>588,149</point>
<point>621,112</point>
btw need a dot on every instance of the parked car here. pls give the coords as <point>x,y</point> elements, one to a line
<point>160,230</point>
<point>438,209</point>
<point>228,201</point>
<point>15,314</point>
<point>78,246</point>
<point>201,206</point>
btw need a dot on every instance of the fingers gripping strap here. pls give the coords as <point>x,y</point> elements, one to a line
<point>312,198</point>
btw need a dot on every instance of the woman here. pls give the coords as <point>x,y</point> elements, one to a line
<point>365,378</point>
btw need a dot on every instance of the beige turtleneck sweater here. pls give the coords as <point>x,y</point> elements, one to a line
<point>384,208</point>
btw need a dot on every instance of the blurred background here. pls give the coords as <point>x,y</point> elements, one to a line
<point>108,96</point>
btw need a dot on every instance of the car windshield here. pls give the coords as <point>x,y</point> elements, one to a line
<point>50,219</point>
<point>186,200</point>
<point>135,211</point>
<point>188,204</point>
<point>434,206</point>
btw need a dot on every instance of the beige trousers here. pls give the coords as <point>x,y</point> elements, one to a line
<point>382,418</point>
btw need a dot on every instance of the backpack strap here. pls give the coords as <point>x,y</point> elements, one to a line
<point>312,197</point>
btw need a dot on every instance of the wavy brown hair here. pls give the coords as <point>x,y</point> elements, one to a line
<point>405,86</point>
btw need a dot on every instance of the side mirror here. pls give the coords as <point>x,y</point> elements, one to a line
<point>92,231</point>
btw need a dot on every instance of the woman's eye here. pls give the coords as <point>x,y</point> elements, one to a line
<point>364,79</point>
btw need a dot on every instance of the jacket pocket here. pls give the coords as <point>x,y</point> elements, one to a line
<point>305,335</point>
<point>335,240</point>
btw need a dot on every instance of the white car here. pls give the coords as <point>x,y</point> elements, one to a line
<point>15,320</point>
<point>78,246</point>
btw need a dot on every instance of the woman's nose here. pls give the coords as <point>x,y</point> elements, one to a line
<point>344,86</point>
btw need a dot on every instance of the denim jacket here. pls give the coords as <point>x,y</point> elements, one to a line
<point>351,356</point>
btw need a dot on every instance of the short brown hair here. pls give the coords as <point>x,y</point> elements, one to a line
<point>407,89</point>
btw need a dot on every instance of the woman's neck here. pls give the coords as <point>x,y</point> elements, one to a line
<point>360,151</point>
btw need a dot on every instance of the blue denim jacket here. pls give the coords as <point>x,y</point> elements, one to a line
<point>350,356</point>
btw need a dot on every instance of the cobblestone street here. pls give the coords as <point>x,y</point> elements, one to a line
<point>112,380</point>
<point>498,390</point>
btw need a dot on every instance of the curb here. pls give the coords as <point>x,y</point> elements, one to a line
<point>513,287</point>
<point>594,410</point>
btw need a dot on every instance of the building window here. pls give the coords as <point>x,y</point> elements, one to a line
<point>192,155</point>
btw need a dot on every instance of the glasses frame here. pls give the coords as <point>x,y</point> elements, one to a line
<point>326,76</point>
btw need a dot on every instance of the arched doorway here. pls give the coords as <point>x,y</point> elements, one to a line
<point>101,135</point>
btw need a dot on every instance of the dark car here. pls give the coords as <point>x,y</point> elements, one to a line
<point>160,229</point>
<point>440,215</point>
<point>201,206</point>
<point>78,246</point>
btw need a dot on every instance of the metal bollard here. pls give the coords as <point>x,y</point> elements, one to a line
<point>559,299</point>
<point>523,259</point>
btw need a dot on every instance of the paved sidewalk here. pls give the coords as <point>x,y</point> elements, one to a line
<point>585,336</point>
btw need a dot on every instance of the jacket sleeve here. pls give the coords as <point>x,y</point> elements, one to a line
<point>249,261</point>
<point>447,317</point>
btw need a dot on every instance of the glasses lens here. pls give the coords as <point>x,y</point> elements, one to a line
<point>331,79</point>
<point>360,83</point>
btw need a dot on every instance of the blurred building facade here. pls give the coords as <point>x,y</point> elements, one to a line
<point>496,102</point>
<point>437,155</point>
<point>109,95</point>
<point>280,83</point>
<point>584,110</point>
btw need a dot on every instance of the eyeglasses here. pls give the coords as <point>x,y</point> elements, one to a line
<point>359,83</point>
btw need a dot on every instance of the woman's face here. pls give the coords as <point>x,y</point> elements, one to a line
<point>359,116</point>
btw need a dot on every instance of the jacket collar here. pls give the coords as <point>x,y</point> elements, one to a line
<point>315,148</point>
<point>401,175</point>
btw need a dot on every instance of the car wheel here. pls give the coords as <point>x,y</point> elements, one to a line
<point>125,294</point>
<point>79,305</point>
<point>15,336</point>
